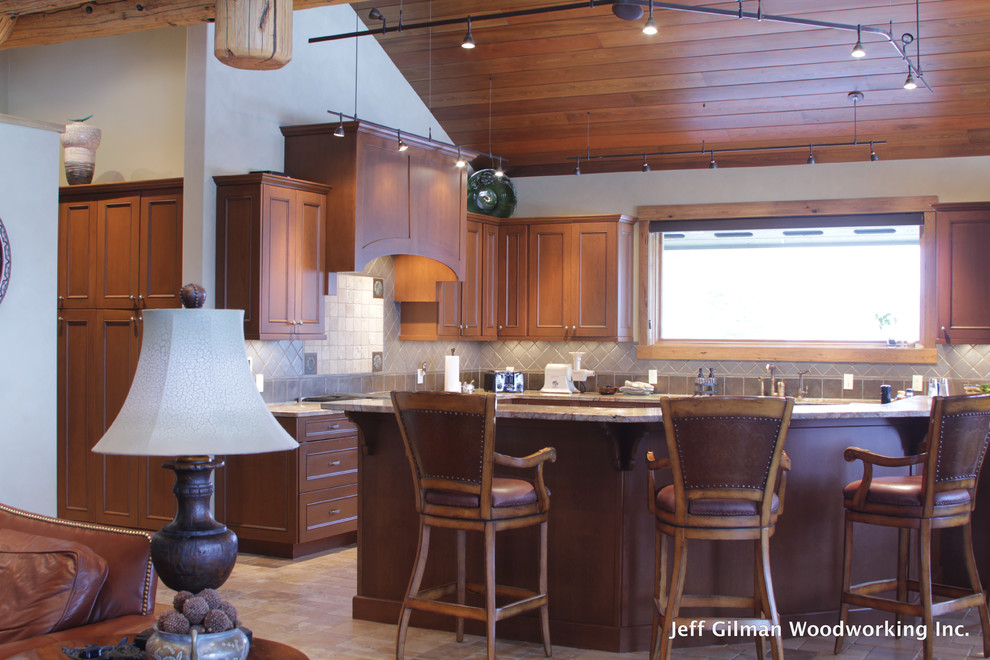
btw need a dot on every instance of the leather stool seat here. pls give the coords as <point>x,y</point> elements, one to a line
<point>505,492</point>
<point>906,492</point>
<point>722,508</point>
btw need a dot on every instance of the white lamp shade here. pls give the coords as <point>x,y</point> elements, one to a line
<point>193,393</point>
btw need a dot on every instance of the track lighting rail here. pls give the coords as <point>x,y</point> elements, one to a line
<point>708,150</point>
<point>714,11</point>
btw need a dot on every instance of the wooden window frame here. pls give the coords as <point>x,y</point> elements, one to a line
<point>651,347</point>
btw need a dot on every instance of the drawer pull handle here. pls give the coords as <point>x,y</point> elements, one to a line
<point>334,512</point>
<point>334,463</point>
<point>331,427</point>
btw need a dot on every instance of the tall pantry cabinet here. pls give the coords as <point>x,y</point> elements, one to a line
<point>120,252</point>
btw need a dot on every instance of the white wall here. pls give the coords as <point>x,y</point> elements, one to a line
<point>29,211</point>
<point>233,116</point>
<point>951,179</point>
<point>132,84</point>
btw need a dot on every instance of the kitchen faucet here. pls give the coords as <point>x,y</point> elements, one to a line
<point>802,390</point>
<point>771,368</point>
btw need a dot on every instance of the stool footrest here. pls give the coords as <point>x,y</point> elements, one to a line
<point>428,600</point>
<point>740,602</point>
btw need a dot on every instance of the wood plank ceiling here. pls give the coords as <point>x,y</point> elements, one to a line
<point>722,82</point>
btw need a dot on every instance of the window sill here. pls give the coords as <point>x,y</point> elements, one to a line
<point>787,351</point>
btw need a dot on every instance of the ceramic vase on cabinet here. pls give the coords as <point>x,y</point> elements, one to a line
<point>79,142</point>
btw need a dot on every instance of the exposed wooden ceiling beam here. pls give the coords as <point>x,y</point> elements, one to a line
<point>43,22</point>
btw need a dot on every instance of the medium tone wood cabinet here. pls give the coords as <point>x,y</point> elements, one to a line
<point>270,240</point>
<point>512,282</point>
<point>386,201</point>
<point>467,310</point>
<point>580,278</point>
<point>962,234</point>
<point>120,245</point>
<point>293,503</point>
<point>120,251</point>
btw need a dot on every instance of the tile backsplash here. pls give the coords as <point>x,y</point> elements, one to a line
<point>358,325</point>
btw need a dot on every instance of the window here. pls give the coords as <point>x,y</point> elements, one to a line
<point>857,283</point>
<point>828,281</point>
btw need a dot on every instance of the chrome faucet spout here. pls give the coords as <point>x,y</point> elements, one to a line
<point>771,368</point>
<point>802,390</point>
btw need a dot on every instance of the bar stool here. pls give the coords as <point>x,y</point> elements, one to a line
<point>943,495</point>
<point>728,466</point>
<point>450,443</point>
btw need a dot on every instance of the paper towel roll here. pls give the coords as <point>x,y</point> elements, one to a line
<point>452,373</point>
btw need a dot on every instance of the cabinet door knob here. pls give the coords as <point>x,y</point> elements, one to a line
<point>61,320</point>
<point>333,463</point>
<point>500,327</point>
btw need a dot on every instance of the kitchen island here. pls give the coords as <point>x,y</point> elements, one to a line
<point>601,535</point>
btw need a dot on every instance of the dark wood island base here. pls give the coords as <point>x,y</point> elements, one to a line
<point>601,535</point>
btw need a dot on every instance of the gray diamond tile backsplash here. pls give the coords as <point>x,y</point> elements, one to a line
<point>344,359</point>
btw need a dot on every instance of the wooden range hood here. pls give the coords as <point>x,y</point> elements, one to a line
<point>384,201</point>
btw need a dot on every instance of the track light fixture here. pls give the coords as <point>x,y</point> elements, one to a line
<point>646,165</point>
<point>577,168</point>
<point>712,165</point>
<point>811,154</point>
<point>376,15</point>
<point>460,159</point>
<point>910,83</point>
<point>499,172</point>
<point>340,125</point>
<point>402,146</point>
<point>858,50</point>
<point>651,26</point>
<point>468,39</point>
<point>873,154</point>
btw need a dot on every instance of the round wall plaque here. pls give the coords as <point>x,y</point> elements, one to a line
<point>4,261</point>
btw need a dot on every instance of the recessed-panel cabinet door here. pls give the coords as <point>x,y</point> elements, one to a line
<point>510,278</point>
<point>117,252</point>
<point>311,224</point>
<point>489,281</point>
<point>77,255</point>
<point>963,273</point>
<point>77,493</point>
<point>549,262</point>
<point>116,361</point>
<point>161,251</point>
<point>278,262</point>
<point>594,280</point>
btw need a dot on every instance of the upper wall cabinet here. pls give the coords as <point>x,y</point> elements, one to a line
<point>120,245</point>
<point>386,201</point>
<point>467,310</point>
<point>580,278</point>
<point>962,234</point>
<point>270,238</point>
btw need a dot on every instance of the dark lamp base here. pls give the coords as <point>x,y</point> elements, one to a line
<point>194,551</point>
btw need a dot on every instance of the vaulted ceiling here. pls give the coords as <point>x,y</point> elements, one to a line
<point>718,81</point>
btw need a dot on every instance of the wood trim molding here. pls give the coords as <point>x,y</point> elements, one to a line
<point>651,347</point>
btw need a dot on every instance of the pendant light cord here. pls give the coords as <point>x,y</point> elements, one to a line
<point>355,66</point>
<point>491,80</point>
<point>589,136</point>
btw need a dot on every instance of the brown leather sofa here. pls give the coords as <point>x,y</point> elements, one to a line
<point>62,580</point>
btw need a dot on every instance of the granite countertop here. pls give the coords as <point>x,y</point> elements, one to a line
<point>917,406</point>
<point>303,409</point>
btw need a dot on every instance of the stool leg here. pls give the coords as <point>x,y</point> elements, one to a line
<point>925,585</point>
<point>777,649</point>
<point>414,582</point>
<point>461,580</point>
<point>846,583</point>
<point>903,553</point>
<point>490,588</point>
<point>974,584</point>
<point>759,605</point>
<point>545,609</point>
<point>659,587</point>
<point>674,598</point>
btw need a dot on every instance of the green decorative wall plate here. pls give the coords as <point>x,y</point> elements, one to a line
<point>491,195</point>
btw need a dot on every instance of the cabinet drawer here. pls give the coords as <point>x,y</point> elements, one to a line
<point>329,426</point>
<point>327,464</point>
<point>327,512</point>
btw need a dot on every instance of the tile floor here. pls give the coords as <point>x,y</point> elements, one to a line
<point>307,603</point>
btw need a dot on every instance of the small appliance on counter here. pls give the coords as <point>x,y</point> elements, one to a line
<point>560,378</point>
<point>504,381</point>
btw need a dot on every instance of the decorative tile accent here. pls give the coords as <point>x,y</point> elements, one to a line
<point>309,363</point>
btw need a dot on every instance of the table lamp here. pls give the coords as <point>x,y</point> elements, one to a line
<point>193,397</point>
